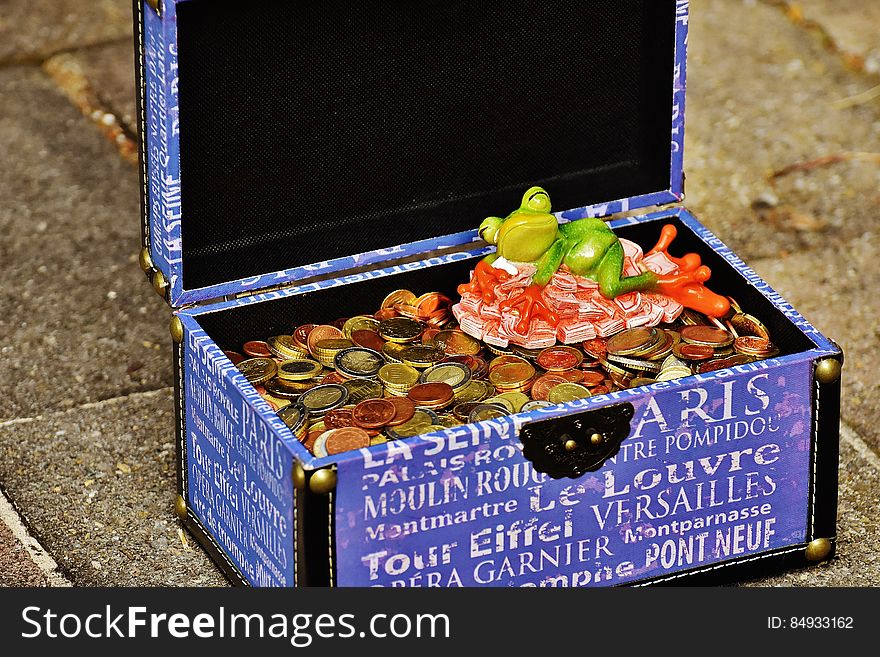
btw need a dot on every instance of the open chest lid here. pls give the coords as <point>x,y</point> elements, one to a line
<point>284,140</point>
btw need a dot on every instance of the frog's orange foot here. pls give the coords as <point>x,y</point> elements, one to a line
<point>687,263</point>
<point>484,280</point>
<point>688,289</point>
<point>530,303</point>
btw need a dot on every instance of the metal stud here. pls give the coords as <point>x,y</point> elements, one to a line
<point>159,283</point>
<point>180,507</point>
<point>323,481</point>
<point>145,260</point>
<point>299,476</point>
<point>828,370</point>
<point>597,439</point>
<point>818,549</point>
<point>570,445</point>
<point>176,329</point>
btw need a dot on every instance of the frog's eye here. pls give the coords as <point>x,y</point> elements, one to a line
<point>538,200</point>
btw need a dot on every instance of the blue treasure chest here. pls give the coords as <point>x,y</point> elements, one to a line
<point>303,161</point>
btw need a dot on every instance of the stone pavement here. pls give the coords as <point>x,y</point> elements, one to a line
<point>86,432</point>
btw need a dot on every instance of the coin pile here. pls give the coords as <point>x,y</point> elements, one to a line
<point>408,369</point>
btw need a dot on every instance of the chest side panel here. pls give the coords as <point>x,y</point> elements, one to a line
<point>237,471</point>
<point>712,471</point>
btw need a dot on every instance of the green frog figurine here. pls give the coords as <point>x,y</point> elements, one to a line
<point>531,234</point>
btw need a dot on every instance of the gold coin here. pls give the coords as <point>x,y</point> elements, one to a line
<point>566,392</point>
<point>517,400</point>
<point>749,325</point>
<point>362,389</point>
<point>448,421</point>
<point>400,329</point>
<point>673,373</point>
<point>398,375</point>
<point>511,374</point>
<point>457,343</point>
<point>421,356</point>
<point>419,423</point>
<point>398,297</point>
<point>500,401</point>
<point>392,351</point>
<point>299,369</point>
<point>288,389</point>
<point>284,346</point>
<point>631,341</point>
<point>333,344</point>
<point>358,323</point>
<point>257,370</point>
<point>476,390</point>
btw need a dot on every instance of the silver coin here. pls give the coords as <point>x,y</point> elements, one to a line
<point>323,398</point>
<point>487,412</point>
<point>456,375</point>
<point>534,405</point>
<point>359,362</point>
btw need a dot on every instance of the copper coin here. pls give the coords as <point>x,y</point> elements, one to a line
<point>428,336</point>
<point>597,347</point>
<point>404,409</point>
<point>310,438</point>
<point>301,335</point>
<point>368,339</point>
<point>707,335</point>
<point>560,358</point>
<point>430,303</point>
<point>385,313</point>
<point>431,393</point>
<point>752,344</point>
<point>323,332</point>
<point>373,413</point>
<point>333,377</point>
<point>256,349</point>
<point>593,378</point>
<point>599,390</point>
<point>694,351</point>
<point>234,356</point>
<point>544,384</point>
<point>346,439</point>
<point>572,376</point>
<point>338,418</point>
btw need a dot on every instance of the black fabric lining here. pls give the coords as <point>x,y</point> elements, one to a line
<point>230,328</point>
<point>314,130</point>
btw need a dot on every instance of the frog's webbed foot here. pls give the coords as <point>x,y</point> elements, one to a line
<point>530,303</point>
<point>483,283</point>
<point>687,288</point>
<point>687,263</point>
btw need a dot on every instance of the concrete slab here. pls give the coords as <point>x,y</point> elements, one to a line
<point>31,30</point>
<point>854,26</point>
<point>98,485</point>
<point>761,94</point>
<point>79,321</point>
<point>100,82</point>
<point>16,567</point>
